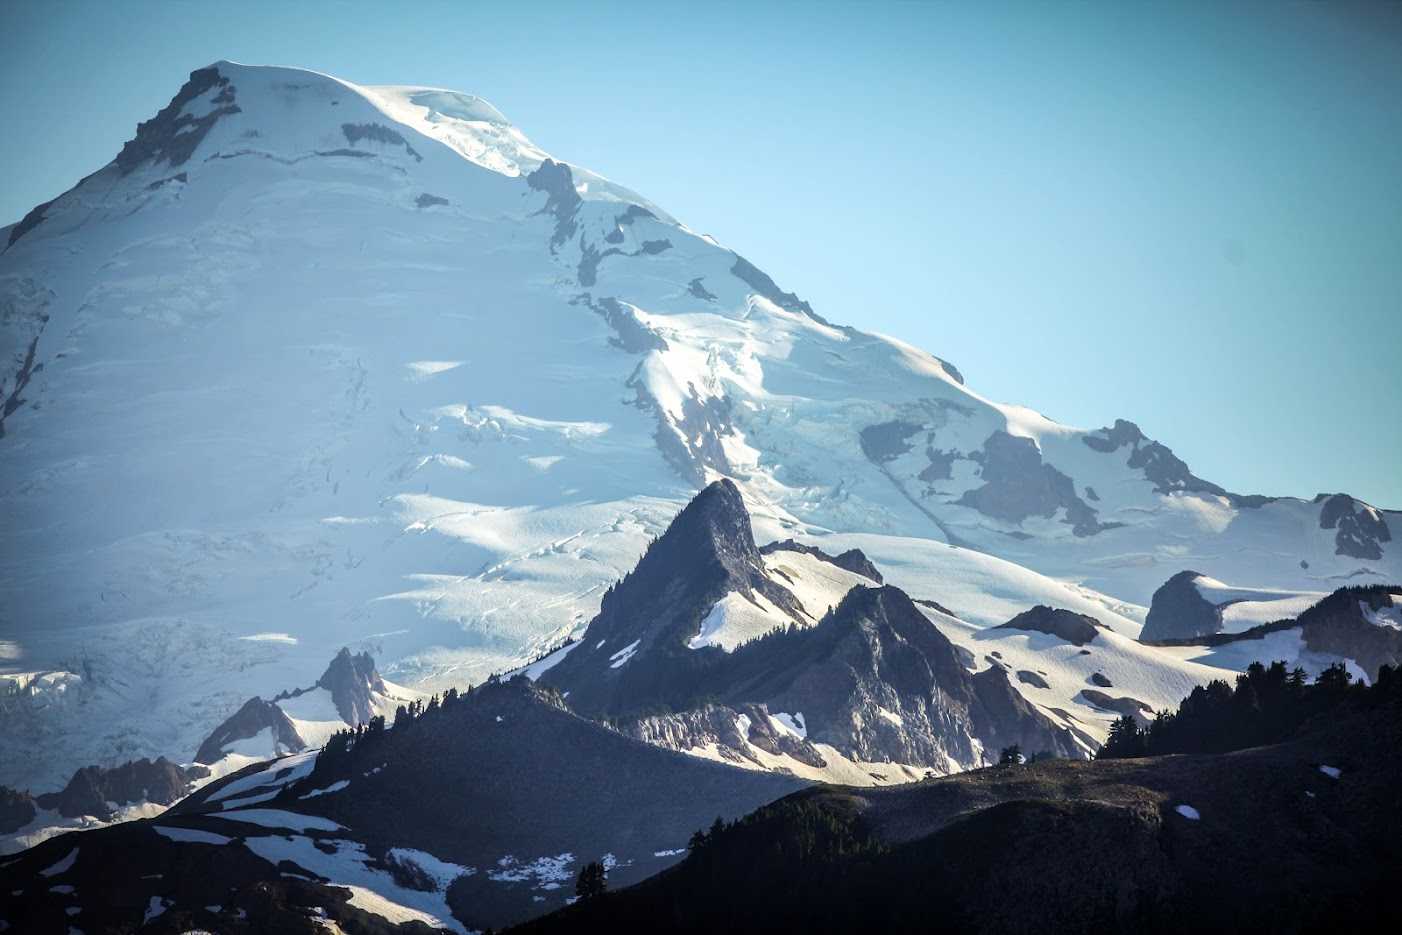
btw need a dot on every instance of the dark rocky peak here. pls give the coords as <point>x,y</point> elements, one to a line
<point>1179,611</point>
<point>352,682</point>
<point>1160,465</point>
<point>255,716</point>
<point>707,552</point>
<point>853,560</point>
<point>1075,628</point>
<point>1361,528</point>
<point>172,135</point>
<point>93,787</point>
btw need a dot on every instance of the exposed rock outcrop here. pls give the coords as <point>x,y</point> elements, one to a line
<point>93,789</point>
<point>16,809</point>
<point>872,679</point>
<point>853,560</point>
<point>1179,611</point>
<point>1075,628</point>
<point>255,716</point>
<point>721,725</point>
<point>1361,528</point>
<point>1132,707</point>
<point>352,682</point>
<point>1018,485</point>
<point>706,552</point>
<point>1347,624</point>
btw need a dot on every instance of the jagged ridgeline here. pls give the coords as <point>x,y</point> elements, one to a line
<point>871,678</point>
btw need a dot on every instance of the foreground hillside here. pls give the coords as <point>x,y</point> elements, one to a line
<point>1293,837</point>
<point>473,812</point>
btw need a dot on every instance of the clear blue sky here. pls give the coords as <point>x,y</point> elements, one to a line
<point>1188,214</point>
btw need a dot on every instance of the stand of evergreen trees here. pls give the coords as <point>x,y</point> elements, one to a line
<point>371,734</point>
<point>1266,706</point>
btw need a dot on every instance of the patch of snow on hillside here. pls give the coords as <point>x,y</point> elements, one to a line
<point>793,723</point>
<point>1389,616</point>
<point>1187,811</point>
<point>536,669</point>
<point>442,872</point>
<point>277,818</point>
<point>155,908</point>
<point>1248,607</point>
<point>62,866</point>
<point>624,654</point>
<point>334,787</point>
<point>543,873</point>
<point>277,773</point>
<point>314,705</point>
<point>191,835</point>
<point>372,890</point>
<point>819,586</point>
<point>1333,772</point>
<point>737,619</point>
<point>246,800</point>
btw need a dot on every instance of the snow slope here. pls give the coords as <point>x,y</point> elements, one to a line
<point>311,364</point>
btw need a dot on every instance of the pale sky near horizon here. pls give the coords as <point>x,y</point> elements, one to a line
<point>1186,214</point>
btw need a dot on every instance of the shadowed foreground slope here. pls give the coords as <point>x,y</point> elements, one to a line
<point>1262,839</point>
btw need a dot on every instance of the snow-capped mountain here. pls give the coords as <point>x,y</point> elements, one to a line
<point>312,365</point>
<point>475,813</point>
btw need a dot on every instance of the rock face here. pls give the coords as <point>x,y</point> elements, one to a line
<point>721,725</point>
<point>1160,465</point>
<point>16,809</point>
<point>1075,628</point>
<point>648,617</point>
<point>1018,485</point>
<point>1132,707</point>
<point>255,716</point>
<point>1347,623</point>
<point>852,560</point>
<point>1179,611</point>
<point>873,679</point>
<point>92,788</point>
<point>352,680</point>
<point>876,681</point>
<point>1361,528</point>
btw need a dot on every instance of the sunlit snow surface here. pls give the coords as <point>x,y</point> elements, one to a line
<point>323,386</point>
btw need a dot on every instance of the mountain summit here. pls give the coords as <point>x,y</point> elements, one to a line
<point>312,365</point>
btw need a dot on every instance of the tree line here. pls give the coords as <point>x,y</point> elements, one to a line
<point>1266,705</point>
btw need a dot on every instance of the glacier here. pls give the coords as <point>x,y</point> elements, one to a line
<point>312,365</point>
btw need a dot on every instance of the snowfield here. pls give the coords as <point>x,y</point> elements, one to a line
<point>346,366</point>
